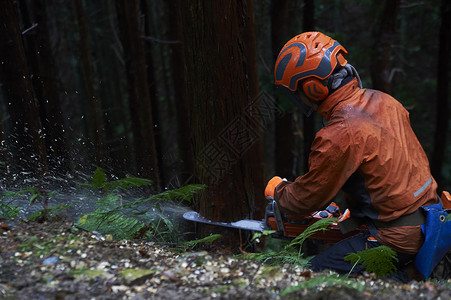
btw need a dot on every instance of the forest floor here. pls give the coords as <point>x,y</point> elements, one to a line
<point>56,261</point>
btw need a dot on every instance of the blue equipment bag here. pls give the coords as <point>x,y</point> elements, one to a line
<point>437,232</point>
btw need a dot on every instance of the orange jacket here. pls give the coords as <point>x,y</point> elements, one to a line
<point>368,143</point>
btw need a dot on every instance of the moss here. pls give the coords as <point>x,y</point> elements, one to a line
<point>89,274</point>
<point>60,243</point>
<point>270,271</point>
<point>134,276</point>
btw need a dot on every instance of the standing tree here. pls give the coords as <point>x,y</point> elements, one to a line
<point>139,92</point>
<point>179,77</point>
<point>283,140</point>
<point>94,105</point>
<point>384,32</point>
<point>25,141</point>
<point>308,122</point>
<point>42,64</point>
<point>222,85</point>
<point>442,106</point>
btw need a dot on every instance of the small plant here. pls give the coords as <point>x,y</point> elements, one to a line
<point>40,248</point>
<point>99,181</point>
<point>291,253</point>
<point>322,281</point>
<point>7,209</point>
<point>35,195</point>
<point>378,260</point>
<point>140,218</point>
<point>208,239</point>
<point>49,213</point>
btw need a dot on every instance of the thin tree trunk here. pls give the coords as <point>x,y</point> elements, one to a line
<point>158,127</point>
<point>25,140</point>
<point>94,106</point>
<point>308,123</point>
<point>139,96</point>
<point>380,67</point>
<point>182,110</point>
<point>284,138</point>
<point>44,80</point>
<point>442,106</point>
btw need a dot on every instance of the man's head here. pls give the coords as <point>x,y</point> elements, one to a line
<point>305,64</point>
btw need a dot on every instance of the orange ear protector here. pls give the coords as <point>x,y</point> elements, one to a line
<point>314,89</point>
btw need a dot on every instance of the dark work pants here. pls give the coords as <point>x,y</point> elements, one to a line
<point>333,257</point>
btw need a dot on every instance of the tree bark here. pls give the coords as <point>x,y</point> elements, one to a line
<point>442,106</point>
<point>284,139</point>
<point>139,95</point>
<point>380,63</point>
<point>94,105</point>
<point>26,142</point>
<point>42,64</point>
<point>179,77</point>
<point>152,82</point>
<point>308,122</point>
<point>223,88</point>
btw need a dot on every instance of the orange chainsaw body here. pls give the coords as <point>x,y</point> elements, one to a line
<point>331,235</point>
<point>290,226</point>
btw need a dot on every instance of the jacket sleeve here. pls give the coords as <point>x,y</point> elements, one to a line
<point>333,159</point>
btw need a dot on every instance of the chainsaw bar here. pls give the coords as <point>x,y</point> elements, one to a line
<point>246,224</point>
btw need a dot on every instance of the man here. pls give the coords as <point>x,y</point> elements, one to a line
<point>367,149</point>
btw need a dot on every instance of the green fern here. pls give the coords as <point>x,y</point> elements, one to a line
<point>291,253</point>
<point>49,213</point>
<point>8,210</point>
<point>138,218</point>
<point>208,239</point>
<point>99,181</point>
<point>35,195</point>
<point>378,260</point>
<point>323,281</point>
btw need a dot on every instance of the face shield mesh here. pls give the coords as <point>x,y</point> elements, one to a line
<point>294,98</point>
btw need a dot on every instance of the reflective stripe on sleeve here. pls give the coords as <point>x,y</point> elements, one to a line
<point>423,187</point>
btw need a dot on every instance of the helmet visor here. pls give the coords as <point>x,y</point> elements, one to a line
<point>295,98</point>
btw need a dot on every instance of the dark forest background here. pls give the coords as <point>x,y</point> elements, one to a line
<point>181,91</point>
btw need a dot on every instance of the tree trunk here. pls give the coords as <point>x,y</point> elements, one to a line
<point>94,105</point>
<point>109,78</point>
<point>44,80</point>
<point>179,77</point>
<point>380,64</point>
<point>139,95</point>
<point>284,138</point>
<point>152,82</point>
<point>442,106</point>
<point>26,142</point>
<point>308,122</point>
<point>223,89</point>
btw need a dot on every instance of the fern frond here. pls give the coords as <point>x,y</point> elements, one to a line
<point>320,225</point>
<point>136,218</point>
<point>9,211</point>
<point>98,179</point>
<point>378,260</point>
<point>208,239</point>
<point>126,183</point>
<point>185,193</point>
<point>325,280</point>
<point>291,253</point>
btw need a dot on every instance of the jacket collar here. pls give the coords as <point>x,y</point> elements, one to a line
<point>343,93</point>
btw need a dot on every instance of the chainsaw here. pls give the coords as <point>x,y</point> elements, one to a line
<point>286,225</point>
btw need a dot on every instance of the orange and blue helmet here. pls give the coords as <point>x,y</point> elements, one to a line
<point>308,55</point>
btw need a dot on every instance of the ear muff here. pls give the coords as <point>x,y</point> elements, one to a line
<point>314,89</point>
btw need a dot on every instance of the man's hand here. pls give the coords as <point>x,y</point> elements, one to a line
<point>271,186</point>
